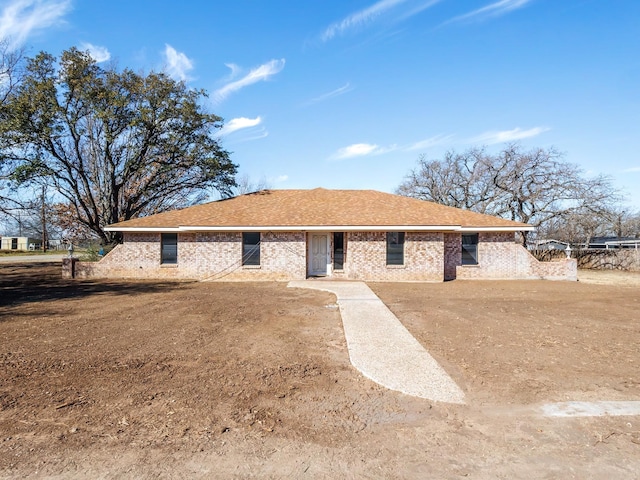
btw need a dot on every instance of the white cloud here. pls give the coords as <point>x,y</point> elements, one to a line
<point>419,8</point>
<point>632,169</point>
<point>361,150</point>
<point>356,150</point>
<point>334,93</point>
<point>429,142</point>
<point>263,72</point>
<point>178,64</point>
<point>99,54</point>
<point>261,133</point>
<point>505,136</point>
<point>21,18</point>
<point>235,70</point>
<point>248,129</point>
<point>280,179</point>
<point>238,124</point>
<point>492,10</point>
<point>370,14</point>
<point>358,19</point>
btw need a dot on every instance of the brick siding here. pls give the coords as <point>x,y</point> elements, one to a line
<point>452,254</point>
<point>428,256</point>
<point>366,258</point>
<point>499,257</point>
<point>202,256</point>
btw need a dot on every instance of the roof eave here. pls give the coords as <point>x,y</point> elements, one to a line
<point>114,228</point>
<point>323,228</point>
<point>518,228</point>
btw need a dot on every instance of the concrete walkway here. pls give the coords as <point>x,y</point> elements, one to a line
<point>382,348</point>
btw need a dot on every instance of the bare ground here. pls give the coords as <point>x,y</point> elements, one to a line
<point>609,277</point>
<point>110,379</point>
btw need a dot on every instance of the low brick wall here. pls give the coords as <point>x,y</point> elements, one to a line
<point>500,258</point>
<point>627,259</point>
<point>68,267</point>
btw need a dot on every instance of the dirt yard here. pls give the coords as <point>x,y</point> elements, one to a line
<point>108,379</point>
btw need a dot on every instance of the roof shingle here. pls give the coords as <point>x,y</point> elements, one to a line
<point>318,208</point>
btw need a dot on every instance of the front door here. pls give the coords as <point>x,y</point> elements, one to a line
<point>318,254</point>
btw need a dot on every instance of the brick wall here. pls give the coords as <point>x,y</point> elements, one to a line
<point>283,256</point>
<point>499,257</point>
<point>203,256</point>
<point>218,256</point>
<point>429,256</point>
<point>366,257</point>
<point>452,254</point>
<point>137,257</point>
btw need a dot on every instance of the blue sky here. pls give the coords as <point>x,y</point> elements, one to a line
<point>349,93</point>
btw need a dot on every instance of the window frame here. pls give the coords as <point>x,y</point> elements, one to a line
<point>469,251</point>
<point>251,251</point>
<point>338,253</point>
<point>395,248</point>
<point>166,257</point>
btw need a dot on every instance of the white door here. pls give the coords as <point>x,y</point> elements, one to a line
<point>318,254</point>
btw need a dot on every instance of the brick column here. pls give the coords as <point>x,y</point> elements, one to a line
<point>69,267</point>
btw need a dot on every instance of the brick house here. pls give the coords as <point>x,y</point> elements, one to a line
<point>342,234</point>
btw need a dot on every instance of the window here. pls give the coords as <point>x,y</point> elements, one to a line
<point>470,249</point>
<point>395,248</point>
<point>251,248</point>
<point>338,250</point>
<point>169,248</point>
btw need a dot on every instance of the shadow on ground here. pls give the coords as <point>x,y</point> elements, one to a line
<point>23,283</point>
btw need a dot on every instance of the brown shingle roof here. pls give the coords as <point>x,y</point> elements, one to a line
<point>318,208</point>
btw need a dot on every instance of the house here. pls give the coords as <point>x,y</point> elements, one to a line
<point>20,243</point>
<point>609,243</point>
<point>341,234</point>
<point>548,244</point>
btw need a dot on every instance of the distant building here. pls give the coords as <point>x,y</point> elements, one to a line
<point>20,243</point>
<point>609,243</point>
<point>548,244</point>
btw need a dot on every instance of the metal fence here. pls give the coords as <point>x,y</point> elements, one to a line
<point>596,259</point>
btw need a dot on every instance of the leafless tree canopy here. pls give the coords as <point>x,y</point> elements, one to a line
<point>580,229</point>
<point>244,185</point>
<point>537,186</point>
<point>11,73</point>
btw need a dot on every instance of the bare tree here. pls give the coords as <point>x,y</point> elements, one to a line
<point>458,180</point>
<point>537,187</point>
<point>33,215</point>
<point>625,223</point>
<point>245,185</point>
<point>11,73</point>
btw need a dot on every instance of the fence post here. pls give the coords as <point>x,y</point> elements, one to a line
<point>69,267</point>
